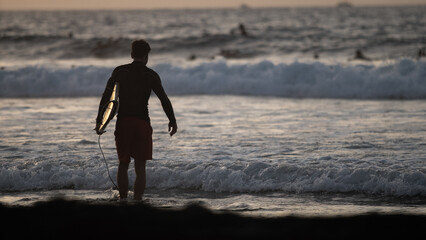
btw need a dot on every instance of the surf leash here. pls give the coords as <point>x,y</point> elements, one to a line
<point>106,163</point>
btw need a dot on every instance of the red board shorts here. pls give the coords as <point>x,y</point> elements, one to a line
<point>133,138</point>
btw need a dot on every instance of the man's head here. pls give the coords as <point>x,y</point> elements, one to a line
<point>140,49</point>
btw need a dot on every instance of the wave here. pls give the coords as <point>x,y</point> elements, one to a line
<point>260,177</point>
<point>63,47</point>
<point>70,47</point>
<point>220,176</point>
<point>402,79</point>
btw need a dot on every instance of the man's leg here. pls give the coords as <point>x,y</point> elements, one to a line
<point>140,180</point>
<point>123,179</point>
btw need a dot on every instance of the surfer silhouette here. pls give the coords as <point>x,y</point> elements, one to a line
<point>133,131</point>
<point>421,53</point>
<point>359,55</point>
<point>241,28</point>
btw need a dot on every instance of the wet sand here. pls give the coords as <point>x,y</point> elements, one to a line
<point>66,219</point>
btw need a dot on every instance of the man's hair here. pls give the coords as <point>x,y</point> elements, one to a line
<point>140,48</point>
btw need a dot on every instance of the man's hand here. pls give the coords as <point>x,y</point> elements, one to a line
<point>98,124</point>
<point>172,128</point>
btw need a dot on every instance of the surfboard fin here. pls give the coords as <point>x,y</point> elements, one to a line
<point>99,132</point>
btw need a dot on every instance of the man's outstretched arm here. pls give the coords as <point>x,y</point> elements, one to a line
<point>166,104</point>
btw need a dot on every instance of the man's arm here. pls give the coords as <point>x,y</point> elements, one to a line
<point>166,104</point>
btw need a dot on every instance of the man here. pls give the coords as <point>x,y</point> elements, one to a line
<point>133,131</point>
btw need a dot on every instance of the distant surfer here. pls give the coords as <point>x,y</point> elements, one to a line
<point>421,53</point>
<point>133,131</point>
<point>360,56</point>
<point>241,28</point>
<point>316,56</point>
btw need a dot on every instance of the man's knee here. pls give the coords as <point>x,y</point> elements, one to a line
<point>140,166</point>
<point>123,165</point>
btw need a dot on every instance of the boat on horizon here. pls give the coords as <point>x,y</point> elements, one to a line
<point>344,4</point>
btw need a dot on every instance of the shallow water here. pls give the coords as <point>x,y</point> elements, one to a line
<point>251,154</point>
<point>268,204</point>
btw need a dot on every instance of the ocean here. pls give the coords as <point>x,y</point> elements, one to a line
<point>282,120</point>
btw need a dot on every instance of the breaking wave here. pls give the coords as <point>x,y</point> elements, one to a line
<point>224,177</point>
<point>403,79</point>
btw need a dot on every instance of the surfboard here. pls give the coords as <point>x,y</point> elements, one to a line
<point>109,110</point>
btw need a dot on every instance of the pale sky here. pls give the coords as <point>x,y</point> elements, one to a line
<point>150,4</point>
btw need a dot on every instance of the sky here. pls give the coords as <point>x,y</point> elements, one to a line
<point>152,4</point>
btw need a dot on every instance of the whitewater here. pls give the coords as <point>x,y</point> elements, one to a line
<point>283,121</point>
<point>402,79</point>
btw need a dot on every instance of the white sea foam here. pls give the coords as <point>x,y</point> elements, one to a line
<point>403,79</point>
<point>225,177</point>
<point>260,176</point>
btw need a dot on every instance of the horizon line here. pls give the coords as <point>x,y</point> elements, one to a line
<point>208,8</point>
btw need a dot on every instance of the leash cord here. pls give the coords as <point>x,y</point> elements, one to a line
<point>106,164</point>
